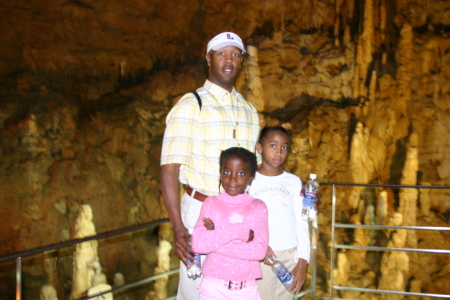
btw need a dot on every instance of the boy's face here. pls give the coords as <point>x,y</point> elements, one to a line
<point>235,175</point>
<point>224,66</point>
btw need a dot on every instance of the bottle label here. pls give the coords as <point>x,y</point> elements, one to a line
<point>309,199</point>
<point>285,276</point>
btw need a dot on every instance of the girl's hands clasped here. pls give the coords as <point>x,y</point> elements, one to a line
<point>209,224</point>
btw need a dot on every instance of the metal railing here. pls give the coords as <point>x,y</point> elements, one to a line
<point>335,246</point>
<point>313,261</point>
<point>19,255</point>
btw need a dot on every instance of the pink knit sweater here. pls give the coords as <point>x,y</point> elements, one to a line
<point>229,256</point>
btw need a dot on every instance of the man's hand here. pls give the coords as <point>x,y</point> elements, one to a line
<point>183,249</point>
<point>299,273</point>
<point>170,190</point>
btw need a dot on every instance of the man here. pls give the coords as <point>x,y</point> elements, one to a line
<point>195,136</point>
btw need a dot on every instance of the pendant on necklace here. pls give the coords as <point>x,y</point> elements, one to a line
<point>234,133</point>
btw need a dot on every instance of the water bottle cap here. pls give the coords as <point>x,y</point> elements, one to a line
<point>312,176</point>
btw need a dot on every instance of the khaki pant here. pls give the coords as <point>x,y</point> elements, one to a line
<point>270,287</point>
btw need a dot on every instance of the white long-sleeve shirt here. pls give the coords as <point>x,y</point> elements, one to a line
<point>281,194</point>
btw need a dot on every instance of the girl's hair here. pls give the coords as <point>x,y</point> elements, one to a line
<point>249,158</point>
<point>266,130</point>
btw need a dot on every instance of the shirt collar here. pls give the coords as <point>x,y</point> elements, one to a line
<point>219,92</point>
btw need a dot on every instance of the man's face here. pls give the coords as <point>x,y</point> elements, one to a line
<point>224,66</point>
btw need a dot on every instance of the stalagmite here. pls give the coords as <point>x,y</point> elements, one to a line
<point>160,288</point>
<point>255,94</point>
<point>381,208</point>
<point>48,292</point>
<point>85,253</point>
<point>52,273</point>
<point>118,279</point>
<point>394,264</point>
<point>360,163</point>
<point>409,196</point>
<point>98,288</point>
<point>342,270</point>
<point>425,200</point>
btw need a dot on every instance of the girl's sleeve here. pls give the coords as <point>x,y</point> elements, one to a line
<point>256,249</point>
<point>303,241</point>
<point>206,241</point>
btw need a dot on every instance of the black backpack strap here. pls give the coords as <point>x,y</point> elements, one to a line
<point>199,100</point>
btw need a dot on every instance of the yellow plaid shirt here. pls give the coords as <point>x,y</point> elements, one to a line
<point>195,138</point>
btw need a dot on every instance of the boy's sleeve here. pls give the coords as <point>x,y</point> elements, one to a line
<point>303,240</point>
<point>256,249</point>
<point>206,241</point>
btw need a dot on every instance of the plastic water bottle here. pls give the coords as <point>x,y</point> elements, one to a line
<point>310,197</point>
<point>195,271</point>
<point>283,274</point>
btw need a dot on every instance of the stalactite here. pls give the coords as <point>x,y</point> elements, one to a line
<point>337,22</point>
<point>405,68</point>
<point>428,67</point>
<point>383,21</point>
<point>372,93</point>
<point>364,51</point>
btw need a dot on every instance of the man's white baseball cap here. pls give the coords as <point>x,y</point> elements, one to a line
<point>223,40</point>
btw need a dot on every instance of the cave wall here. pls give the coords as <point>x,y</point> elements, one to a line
<point>85,87</point>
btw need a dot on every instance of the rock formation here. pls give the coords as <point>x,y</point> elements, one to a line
<point>86,268</point>
<point>86,85</point>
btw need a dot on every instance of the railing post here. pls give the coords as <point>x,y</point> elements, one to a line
<point>314,258</point>
<point>19,278</point>
<point>333,223</point>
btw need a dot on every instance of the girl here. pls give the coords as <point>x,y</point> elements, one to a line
<point>288,232</point>
<point>232,231</point>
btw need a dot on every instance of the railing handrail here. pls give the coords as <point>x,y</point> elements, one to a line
<point>51,247</point>
<point>77,241</point>
<point>386,185</point>
<point>334,246</point>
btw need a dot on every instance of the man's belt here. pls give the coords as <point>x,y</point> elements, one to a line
<point>197,195</point>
